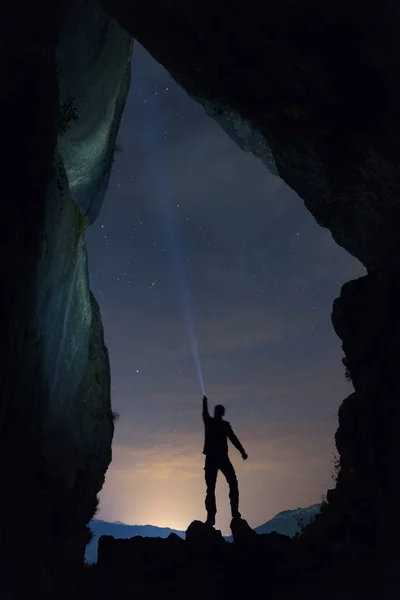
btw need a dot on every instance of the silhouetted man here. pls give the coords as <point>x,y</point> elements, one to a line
<point>217,433</point>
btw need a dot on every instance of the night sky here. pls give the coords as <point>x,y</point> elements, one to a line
<point>261,275</point>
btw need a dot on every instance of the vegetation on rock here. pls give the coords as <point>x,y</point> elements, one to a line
<point>68,115</point>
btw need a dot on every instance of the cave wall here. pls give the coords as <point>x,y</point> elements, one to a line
<point>74,410</point>
<point>94,61</point>
<point>56,423</point>
<point>365,317</point>
<point>312,89</point>
<point>311,83</point>
<point>29,105</point>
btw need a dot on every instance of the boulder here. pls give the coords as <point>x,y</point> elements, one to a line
<point>242,533</point>
<point>202,536</point>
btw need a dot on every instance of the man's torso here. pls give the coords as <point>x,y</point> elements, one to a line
<point>216,437</point>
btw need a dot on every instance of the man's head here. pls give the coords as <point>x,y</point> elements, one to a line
<point>219,411</point>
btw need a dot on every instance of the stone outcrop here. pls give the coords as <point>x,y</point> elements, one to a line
<point>361,517</point>
<point>202,536</point>
<point>242,532</point>
<point>366,318</point>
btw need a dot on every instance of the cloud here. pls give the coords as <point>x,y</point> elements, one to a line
<point>159,462</point>
<point>270,444</point>
<point>219,331</point>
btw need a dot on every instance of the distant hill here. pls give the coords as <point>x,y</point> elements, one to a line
<point>286,522</point>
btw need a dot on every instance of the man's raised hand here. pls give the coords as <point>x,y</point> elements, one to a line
<point>244,456</point>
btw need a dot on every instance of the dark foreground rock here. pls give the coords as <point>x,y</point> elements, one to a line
<point>199,535</point>
<point>141,557</point>
<point>206,566</point>
<point>242,532</point>
<point>203,565</point>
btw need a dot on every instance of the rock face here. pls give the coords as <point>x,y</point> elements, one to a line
<point>306,82</point>
<point>311,88</point>
<point>366,319</point>
<point>56,422</point>
<point>93,56</point>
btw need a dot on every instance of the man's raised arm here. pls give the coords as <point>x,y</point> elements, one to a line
<point>206,414</point>
<point>236,443</point>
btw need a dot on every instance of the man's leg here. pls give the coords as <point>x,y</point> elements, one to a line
<point>227,469</point>
<point>211,472</point>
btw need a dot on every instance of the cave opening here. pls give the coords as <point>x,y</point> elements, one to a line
<point>261,273</point>
<point>262,276</point>
<point>310,92</point>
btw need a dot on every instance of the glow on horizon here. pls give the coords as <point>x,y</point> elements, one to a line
<point>163,485</point>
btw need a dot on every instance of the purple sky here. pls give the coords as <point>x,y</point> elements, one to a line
<point>262,276</point>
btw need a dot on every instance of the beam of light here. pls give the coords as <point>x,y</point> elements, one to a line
<point>152,134</point>
<point>175,252</point>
